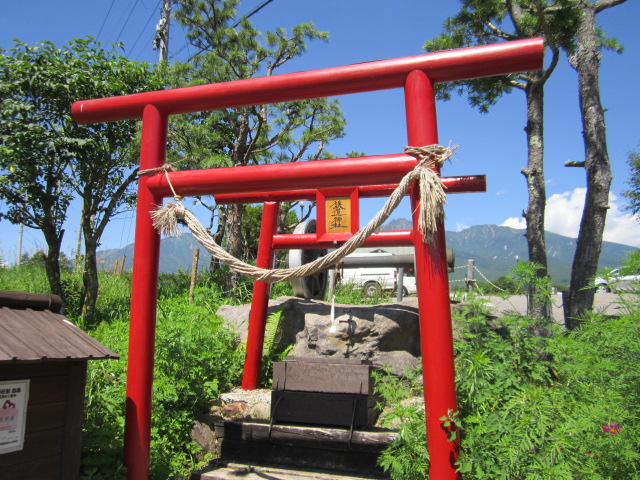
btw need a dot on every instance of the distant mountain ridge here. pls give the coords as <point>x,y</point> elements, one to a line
<point>494,249</point>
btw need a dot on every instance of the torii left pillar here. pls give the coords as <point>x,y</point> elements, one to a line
<point>142,330</point>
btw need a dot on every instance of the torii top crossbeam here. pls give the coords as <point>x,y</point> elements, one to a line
<point>417,75</point>
<point>446,66</point>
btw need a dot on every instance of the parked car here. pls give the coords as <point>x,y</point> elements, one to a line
<point>373,280</point>
<point>614,282</point>
<point>409,285</point>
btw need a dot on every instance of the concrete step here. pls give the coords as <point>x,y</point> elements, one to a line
<point>260,472</point>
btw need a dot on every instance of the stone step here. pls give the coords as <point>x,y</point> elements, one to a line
<point>304,447</point>
<point>260,472</point>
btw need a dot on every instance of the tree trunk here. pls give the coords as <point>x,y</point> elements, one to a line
<point>90,282</point>
<point>233,240</point>
<point>534,174</point>
<point>218,235</point>
<point>585,262</point>
<point>52,261</point>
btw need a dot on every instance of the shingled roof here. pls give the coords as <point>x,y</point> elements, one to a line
<point>31,330</point>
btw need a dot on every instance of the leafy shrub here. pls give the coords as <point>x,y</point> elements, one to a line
<point>281,289</point>
<point>32,279</point>
<point>196,358</point>
<point>406,458</point>
<point>562,406</point>
<point>353,294</point>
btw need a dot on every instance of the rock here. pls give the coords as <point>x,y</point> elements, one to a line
<point>235,410</point>
<point>261,411</point>
<point>246,404</point>
<point>386,334</point>
<point>203,435</point>
<point>398,361</point>
<point>250,397</point>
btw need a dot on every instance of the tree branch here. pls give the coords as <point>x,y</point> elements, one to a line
<point>601,5</point>
<point>573,163</point>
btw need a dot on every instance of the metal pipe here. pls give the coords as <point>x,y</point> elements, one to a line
<point>450,65</point>
<point>379,260</point>
<point>400,284</point>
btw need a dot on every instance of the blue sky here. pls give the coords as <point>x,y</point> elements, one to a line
<point>493,144</point>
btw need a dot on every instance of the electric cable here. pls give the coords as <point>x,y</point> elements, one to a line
<point>127,21</point>
<point>143,28</point>
<point>105,19</point>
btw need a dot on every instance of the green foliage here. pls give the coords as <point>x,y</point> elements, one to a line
<point>273,350</point>
<point>24,278</point>
<point>563,406</point>
<point>353,294</point>
<point>196,359</point>
<point>229,48</point>
<point>38,260</point>
<point>406,458</point>
<point>281,289</point>
<point>481,22</point>
<point>46,158</point>
<point>633,194</point>
<point>524,278</point>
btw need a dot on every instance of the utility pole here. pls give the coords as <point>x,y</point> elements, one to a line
<point>161,40</point>
<point>19,259</point>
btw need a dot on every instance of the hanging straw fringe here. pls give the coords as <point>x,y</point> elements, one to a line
<point>432,199</point>
<point>432,196</point>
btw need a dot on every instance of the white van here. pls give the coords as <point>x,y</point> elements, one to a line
<point>373,279</point>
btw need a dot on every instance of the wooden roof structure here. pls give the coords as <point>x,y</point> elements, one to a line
<point>33,330</point>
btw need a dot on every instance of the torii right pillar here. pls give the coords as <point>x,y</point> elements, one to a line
<point>436,337</point>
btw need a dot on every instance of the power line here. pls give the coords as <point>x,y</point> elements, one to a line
<point>105,19</point>
<point>127,21</point>
<point>143,28</point>
<point>255,10</point>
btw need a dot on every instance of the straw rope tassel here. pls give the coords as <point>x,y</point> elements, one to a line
<point>432,199</point>
<point>432,195</point>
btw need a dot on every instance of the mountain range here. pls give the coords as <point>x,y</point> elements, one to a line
<point>493,248</point>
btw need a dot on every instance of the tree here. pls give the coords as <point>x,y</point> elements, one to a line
<point>586,61</point>
<point>229,48</point>
<point>46,158</point>
<point>633,194</point>
<point>105,167</point>
<point>480,22</point>
<point>35,152</point>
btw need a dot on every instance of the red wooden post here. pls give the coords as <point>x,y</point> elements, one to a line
<point>142,328</point>
<point>436,339</point>
<point>260,299</point>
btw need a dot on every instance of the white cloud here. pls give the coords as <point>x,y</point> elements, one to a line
<point>514,222</point>
<point>564,211</point>
<point>621,227</point>
<point>460,227</point>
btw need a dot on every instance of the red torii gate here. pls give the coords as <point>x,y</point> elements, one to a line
<point>417,75</point>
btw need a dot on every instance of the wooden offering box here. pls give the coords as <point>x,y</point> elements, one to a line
<point>324,391</point>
